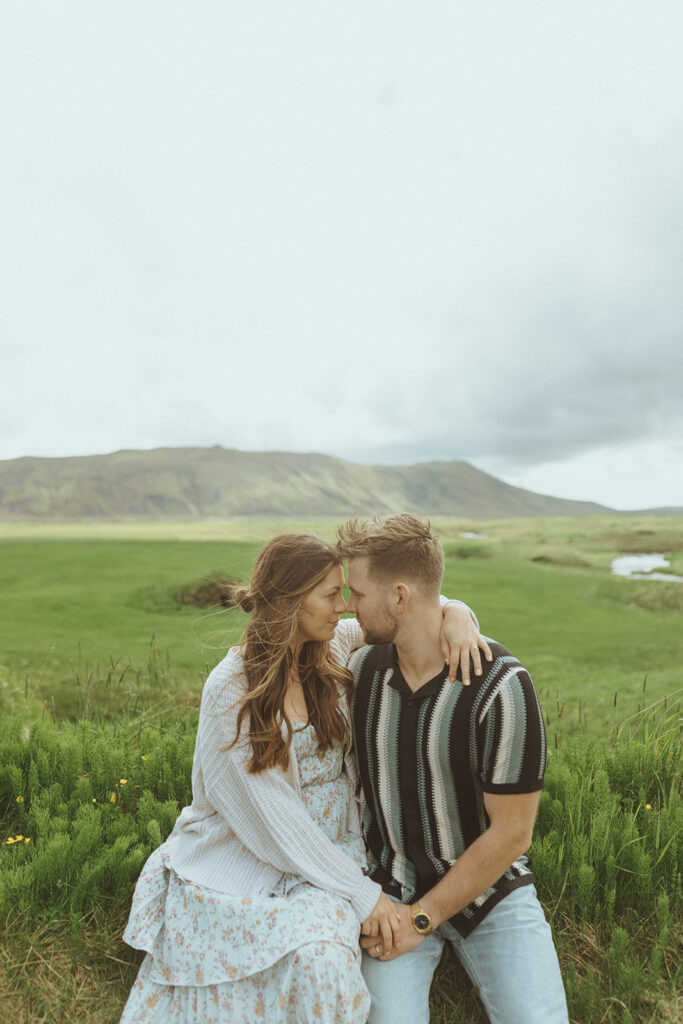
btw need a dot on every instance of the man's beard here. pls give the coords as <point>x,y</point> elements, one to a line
<point>382,632</point>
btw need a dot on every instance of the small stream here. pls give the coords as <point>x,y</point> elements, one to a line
<point>642,567</point>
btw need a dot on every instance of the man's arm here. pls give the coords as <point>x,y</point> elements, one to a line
<point>508,836</point>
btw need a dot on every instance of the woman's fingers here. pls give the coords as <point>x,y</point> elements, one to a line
<point>382,929</point>
<point>386,933</point>
<point>465,665</point>
<point>470,655</point>
<point>384,924</point>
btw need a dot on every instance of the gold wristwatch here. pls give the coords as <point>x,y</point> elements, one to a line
<point>422,922</point>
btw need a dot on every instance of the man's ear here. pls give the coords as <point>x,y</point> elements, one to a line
<point>402,596</point>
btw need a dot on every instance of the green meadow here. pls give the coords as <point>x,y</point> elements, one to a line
<point>102,661</point>
<point>89,605</point>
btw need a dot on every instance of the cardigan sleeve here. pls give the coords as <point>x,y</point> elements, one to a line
<point>443,601</point>
<point>348,637</point>
<point>270,819</point>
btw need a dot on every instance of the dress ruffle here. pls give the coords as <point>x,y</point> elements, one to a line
<point>196,936</point>
<point>319,983</point>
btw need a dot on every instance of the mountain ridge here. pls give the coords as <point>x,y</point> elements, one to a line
<point>217,482</point>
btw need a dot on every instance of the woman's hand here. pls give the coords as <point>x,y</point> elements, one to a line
<point>461,641</point>
<point>383,923</point>
<point>409,939</point>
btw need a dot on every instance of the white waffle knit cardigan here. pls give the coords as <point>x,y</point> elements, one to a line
<point>234,813</point>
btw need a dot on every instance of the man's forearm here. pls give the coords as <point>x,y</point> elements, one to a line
<point>474,872</point>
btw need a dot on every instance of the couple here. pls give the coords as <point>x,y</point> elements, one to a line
<point>252,908</point>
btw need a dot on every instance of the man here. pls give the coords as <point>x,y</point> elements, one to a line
<point>451,779</point>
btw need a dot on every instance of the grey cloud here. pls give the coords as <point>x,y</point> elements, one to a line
<point>570,376</point>
<point>222,230</point>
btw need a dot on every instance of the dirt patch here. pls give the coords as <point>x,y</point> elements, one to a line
<point>467,551</point>
<point>207,593</point>
<point>44,979</point>
<point>570,561</point>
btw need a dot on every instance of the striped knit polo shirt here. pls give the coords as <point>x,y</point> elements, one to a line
<point>427,758</point>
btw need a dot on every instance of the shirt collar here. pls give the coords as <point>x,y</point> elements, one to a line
<point>397,680</point>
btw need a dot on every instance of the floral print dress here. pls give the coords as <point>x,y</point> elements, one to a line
<point>288,958</point>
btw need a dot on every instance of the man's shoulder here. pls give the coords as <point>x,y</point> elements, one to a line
<point>504,669</point>
<point>502,659</point>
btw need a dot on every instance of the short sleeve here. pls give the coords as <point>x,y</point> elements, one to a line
<point>512,738</point>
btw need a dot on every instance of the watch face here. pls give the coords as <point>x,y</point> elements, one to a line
<point>422,922</point>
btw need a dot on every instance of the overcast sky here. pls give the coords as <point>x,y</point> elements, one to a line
<point>390,232</point>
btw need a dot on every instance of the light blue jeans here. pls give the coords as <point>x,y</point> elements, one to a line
<point>510,956</point>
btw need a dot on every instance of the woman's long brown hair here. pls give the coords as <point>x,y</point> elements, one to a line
<point>287,568</point>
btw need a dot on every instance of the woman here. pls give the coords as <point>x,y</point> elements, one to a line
<point>251,908</point>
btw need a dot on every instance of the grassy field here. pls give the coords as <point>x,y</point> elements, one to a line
<point>101,668</point>
<point>88,603</point>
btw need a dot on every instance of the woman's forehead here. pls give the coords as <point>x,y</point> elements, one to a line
<point>334,578</point>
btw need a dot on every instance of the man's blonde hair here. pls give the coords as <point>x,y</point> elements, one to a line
<point>397,547</point>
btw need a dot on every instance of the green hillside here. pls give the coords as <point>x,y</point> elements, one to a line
<point>201,483</point>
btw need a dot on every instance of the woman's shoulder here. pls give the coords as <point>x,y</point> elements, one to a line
<point>226,683</point>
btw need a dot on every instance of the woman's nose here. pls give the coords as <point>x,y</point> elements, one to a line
<point>341,605</point>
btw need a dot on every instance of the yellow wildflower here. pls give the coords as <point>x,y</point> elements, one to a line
<point>143,757</point>
<point>28,839</point>
<point>648,807</point>
<point>112,798</point>
<point>20,799</point>
<point>18,839</point>
<point>122,782</point>
<point>9,841</point>
<point>94,800</point>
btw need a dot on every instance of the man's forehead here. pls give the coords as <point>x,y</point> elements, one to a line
<point>357,568</point>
